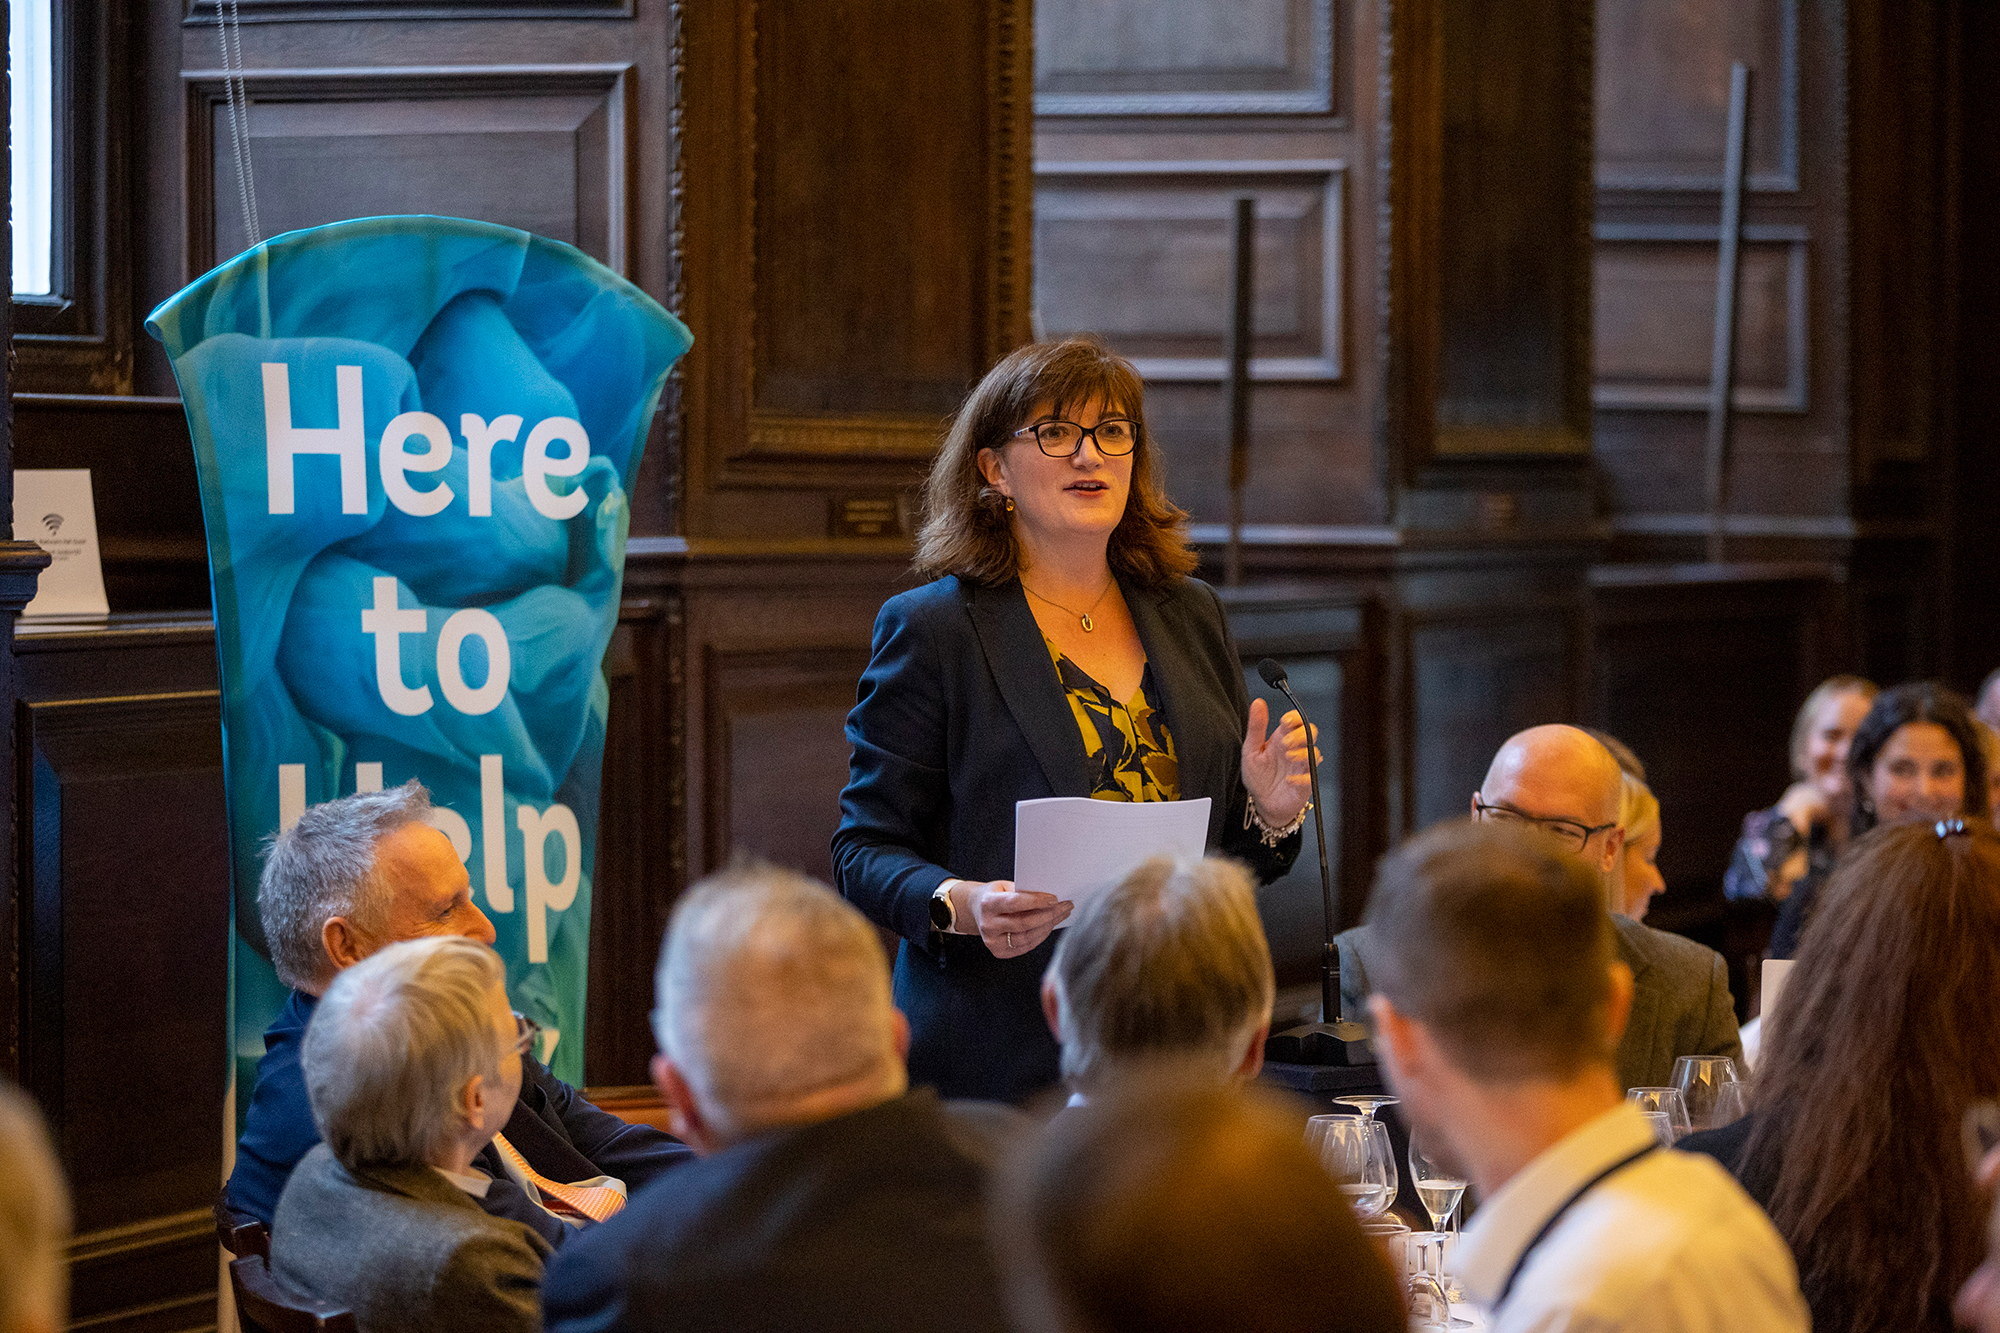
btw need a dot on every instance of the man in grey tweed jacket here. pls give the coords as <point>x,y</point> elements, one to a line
<point>1560,781</point>
<point>412,1062</point>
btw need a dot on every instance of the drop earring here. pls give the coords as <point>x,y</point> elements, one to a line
<point>1010,503</point>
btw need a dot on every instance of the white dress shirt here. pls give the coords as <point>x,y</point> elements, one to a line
<point>1669,1242</point>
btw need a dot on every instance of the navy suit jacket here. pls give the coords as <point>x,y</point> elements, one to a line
<point>560,1134</point>
<point>872,1221</point>
<point>961,714</point>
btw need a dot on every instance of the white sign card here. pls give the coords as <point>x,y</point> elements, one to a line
<point>53,508</point>
<point>1076,848</point>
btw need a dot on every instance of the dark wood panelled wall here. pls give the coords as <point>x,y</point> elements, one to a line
<point>1486,241</point>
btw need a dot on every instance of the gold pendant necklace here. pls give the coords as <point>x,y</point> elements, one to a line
<point>1083,617</point>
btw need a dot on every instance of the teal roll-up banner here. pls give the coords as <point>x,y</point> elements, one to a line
<point>416,437</point>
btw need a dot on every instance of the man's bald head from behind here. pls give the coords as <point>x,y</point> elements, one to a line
<point>1563,779</point>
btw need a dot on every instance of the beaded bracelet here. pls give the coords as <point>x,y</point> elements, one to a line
<point>1267,835</point>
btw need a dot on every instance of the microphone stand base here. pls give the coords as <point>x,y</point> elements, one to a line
<point>1344,1044</point>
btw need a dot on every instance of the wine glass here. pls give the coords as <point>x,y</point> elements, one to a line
<point>1384,1152</point>
<point>1348,1151</point>
<point>1440,1188</point>
<point>1668,1100</point>
<point>1732,1103</point>
<point>1366,1103</point>
<point>1700,1079</point>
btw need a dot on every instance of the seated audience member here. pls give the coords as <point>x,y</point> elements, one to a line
<point>413,1062</point>
<point>827,1194</point>
<point>1635,876</point>
<point>1978,1304</point>
<point>1885,1034</point>
<point>1989,700</point>
<point>1793,845</point>
<point>34,1222</point>
<point>1498,1002</point>
<point>1171,1204</point>
<point>1172,963</point>
<point>1989,746</point>
<point>1561,784</point>
<point>352,876</point>
<point>1915,758</point>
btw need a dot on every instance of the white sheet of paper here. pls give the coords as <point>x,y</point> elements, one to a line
<point>1776,970</point>
<point>1076,848</point>
<point>53,507</point>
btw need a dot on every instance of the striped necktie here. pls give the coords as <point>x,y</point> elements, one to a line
<point>591,1203</point>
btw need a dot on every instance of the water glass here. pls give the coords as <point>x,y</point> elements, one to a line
<point>1663,1126</point>
<point>1358,1160</point>
<point>1700,1079</point>
<point>1668,1100</point>
<point>1423,1268</point>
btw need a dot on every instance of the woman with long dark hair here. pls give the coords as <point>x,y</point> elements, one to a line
<point>1915,758</point>
<point>1887,1030</point>
<point>1061,650</point>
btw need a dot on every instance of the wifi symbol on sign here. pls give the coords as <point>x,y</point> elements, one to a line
<point>53,522</point>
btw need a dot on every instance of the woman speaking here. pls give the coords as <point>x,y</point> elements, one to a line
<point>1062,650</point>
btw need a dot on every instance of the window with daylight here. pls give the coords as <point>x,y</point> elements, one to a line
<point>30,60</point>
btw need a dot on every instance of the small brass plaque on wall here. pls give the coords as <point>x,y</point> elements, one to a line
<point>866,516</point>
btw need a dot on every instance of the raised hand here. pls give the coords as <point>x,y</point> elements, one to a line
<point>1275,764</point>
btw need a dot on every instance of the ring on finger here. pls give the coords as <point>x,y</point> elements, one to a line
<point>1010,939</point>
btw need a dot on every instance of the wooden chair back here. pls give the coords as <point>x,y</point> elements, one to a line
<point>240,1233</point>
<point>266,1305</point>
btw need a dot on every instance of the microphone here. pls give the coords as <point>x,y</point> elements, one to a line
<point>1333,1040</point>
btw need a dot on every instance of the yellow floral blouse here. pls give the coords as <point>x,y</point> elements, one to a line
<point>1129,740</point>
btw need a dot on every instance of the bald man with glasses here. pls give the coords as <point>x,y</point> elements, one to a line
<point>1560,783</point>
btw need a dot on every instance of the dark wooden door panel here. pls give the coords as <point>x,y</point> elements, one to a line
<point>124,982</point>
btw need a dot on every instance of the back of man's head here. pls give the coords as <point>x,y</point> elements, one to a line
<point>34,1222</point>
<point>1170,963</point>
<point>1500,946</point>
<point>393,1044</point>
<point>1166,1204</point>
<point>325,866</point>
<point>772,995</point>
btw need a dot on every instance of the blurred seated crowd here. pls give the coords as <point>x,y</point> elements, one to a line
<point>416,1165</point>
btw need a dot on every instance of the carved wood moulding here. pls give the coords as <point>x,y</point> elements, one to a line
<point>1135,58</point>
<point>542,147</point>
<point>830,347</point>
<point>1164,227</point>
<point>202,13</point>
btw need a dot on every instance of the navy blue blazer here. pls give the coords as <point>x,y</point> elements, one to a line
<point>558,1132</point>
<point>959,715</point>
<point>872,1220</point>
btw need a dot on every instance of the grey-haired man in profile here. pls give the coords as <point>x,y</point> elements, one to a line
<point>828,1195</point>
<point>352,876</point>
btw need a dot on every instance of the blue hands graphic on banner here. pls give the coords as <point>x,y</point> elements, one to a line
<point>415,439</point>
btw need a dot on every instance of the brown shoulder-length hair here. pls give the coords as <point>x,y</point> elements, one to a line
<point>1886,1033</point>
<point>967,530</point>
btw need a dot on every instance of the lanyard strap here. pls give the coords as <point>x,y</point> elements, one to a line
<point>1557,1216</point>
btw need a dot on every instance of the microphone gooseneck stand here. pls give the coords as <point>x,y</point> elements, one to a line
<point>1333,1040</point>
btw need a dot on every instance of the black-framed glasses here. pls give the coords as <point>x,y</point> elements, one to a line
<point>526,1030</point>
<point>1115,437</point>
<point>1569,832</point>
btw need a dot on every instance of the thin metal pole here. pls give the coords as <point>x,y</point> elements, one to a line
<point>1236,392</point>
<point>1722,366</point>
